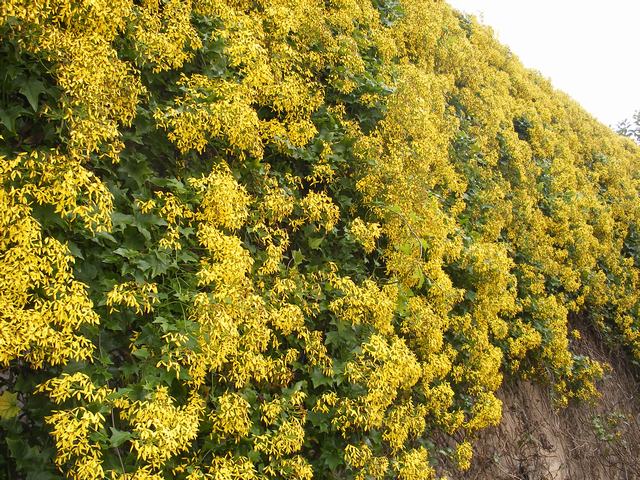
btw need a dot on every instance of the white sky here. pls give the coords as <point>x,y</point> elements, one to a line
<point>588,48</point>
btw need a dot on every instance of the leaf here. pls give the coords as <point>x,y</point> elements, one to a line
<point>9,115</point>
<point>99,436</point>
<point>9,405</point>
<point>118,437</point>
<point>105,236</point>
<point>141,353</point>
<point>143,265</point>
<point>318,378</point>
<point>87,271</point>
<point>136,168</point>
<point>41,476</point>
<point>121,219</point>
<point>125,252</point>
<point>144,232</point>
<point>332,458</point>
<point>74,250</point>
<point>298,258</point>
<point>33,461</point>
<point>32,89</point>
<point>314,243</point>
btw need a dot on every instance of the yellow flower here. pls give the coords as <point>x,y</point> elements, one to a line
<point>365,233</point>
<point>463,455</point>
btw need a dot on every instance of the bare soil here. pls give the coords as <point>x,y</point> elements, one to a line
<point>535,441</point>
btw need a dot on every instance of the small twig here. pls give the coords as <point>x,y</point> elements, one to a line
<point>113,424</point>
<point>507,473</point>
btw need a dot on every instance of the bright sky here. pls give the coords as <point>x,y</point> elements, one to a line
<point>588,48</point>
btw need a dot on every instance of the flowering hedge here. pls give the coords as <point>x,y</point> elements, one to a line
<point>250,239</point>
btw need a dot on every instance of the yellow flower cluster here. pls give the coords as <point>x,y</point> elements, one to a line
<point>72,430</point>
<point>101,91</point>
<point>376,368</point>
<point>361,457</point>
<point>414,465</point>
<point>318,208</point>
<point>224,468</point>
<point>140,297</point>
<point>77,385</point>
<point>163,34</point>
<point>229,263</point>
<point>160,428</point>
<point>367,304</point>
<point>463,454</point>
<point>42,306</point>
<point>365,233</point>
<point>224,202</point>
<point>227,113</point>
<point>61,181</point>
<point>143,473</point>
<point>402,422</point>
<point>232,416</point>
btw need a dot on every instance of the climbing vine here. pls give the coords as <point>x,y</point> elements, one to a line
<point>290,239</point>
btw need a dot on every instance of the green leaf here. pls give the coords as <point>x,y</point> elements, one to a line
<point>41,476</point>
<point>126,253</point>
<point>118,437</point>
<point>87,271</point>
<point>33,461</point>
<point>314,243</point>
<point>144,232</point>
<point>99,437</point>
<point>141,353</point>
<point>106,236</point>
<point>121,219</point>
<point>32,89</point>
<point>75,250</point>
<point>9,115</point>
<point>9,405</point>
<point>332,458</point>
<point>298,257</point>
<point>319,379</point>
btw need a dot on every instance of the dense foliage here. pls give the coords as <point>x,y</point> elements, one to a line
<point>251,239</point>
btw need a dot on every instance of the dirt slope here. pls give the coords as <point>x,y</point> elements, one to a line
<point>535,441</point>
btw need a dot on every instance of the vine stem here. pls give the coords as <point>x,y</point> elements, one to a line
<point>113,424</point>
